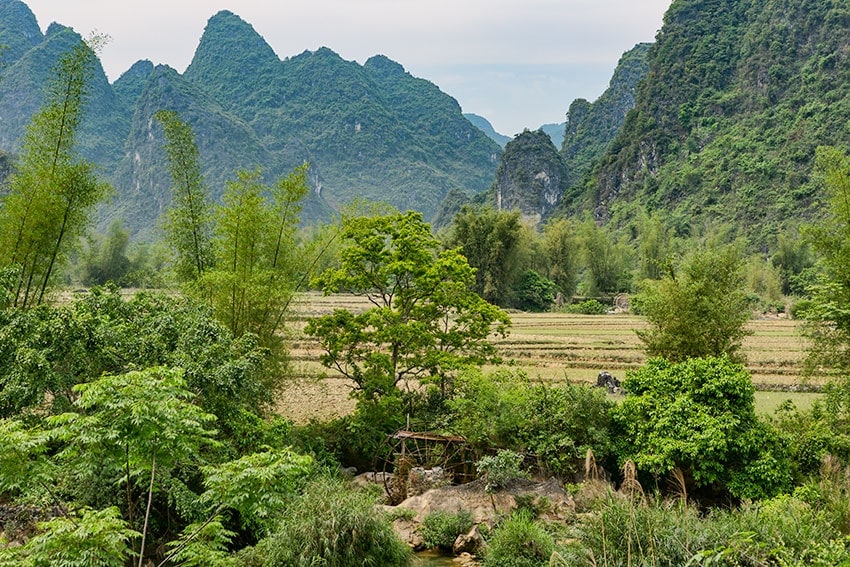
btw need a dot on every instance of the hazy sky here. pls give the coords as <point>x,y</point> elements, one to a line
<point>519,63</point>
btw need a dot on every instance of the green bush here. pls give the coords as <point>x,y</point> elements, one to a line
<point>699,416</point>
<point>441,528</point>
<point>536,292</point>
<point>500,469</point>
<point>505,410</point>
<point>587,307</point>
<point>334,526</point>
<point>519,541</point>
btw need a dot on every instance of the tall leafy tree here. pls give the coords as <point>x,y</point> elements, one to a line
<point>828,318</point>
<point>133,429</point>
<point>426,321</point>
<point>606,259</point>
<point>106,258</point>
<point>563,251</point>
<point>256,253</point>
<point>698,309</point>
<point>491,241</point>
<point>189,221</point>
<point>656,245</point>
<point>53,192</point>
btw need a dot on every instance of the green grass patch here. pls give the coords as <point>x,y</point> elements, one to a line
<point>767,402</point>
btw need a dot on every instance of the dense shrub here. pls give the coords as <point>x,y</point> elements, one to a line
<point>500,469</point>
<point>587,307</point>
<point>46,351</point>
<point>441,528</point>
<point>699,416</point>
<point>519,541</point>
<point>334,526</point>
<point>536,292</point>
<point>505,410</point>
<point>814,434</point>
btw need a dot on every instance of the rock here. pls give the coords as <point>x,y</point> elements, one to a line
<point>466,560</point>
<point>382,479</point>
<point>470,543</point>
<point>372,478</point>
<point>606,380</point>
<point>421,480</point>
<point>408,532</point>
<point>486,507</point>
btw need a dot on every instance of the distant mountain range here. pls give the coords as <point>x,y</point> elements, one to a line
<point>715,124</point>
<point>555,131</point>
<point>369,131</point>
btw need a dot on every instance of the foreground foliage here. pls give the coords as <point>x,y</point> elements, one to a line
<point>46,351</point>
<point>335,526</point>
<point>519,541</point>
<point>699,416</point>
<point>781,531</point>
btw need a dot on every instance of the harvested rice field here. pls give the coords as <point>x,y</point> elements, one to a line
<point>553,347</point>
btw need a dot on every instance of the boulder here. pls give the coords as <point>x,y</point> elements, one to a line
<point>472,543</point>
<point>421,480</point>
<point>606,380</point>
<point>485,507</point>
<point>466,560</point>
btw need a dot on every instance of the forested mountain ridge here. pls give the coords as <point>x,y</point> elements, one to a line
<point>591,127</point>
<point>534,176</point>
<point>738,96</point>
<point>371,131</point>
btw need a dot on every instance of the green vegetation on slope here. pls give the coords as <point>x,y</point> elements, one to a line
<point>738,96</point>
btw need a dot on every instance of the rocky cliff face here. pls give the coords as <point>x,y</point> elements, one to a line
<point>738,96</point>
<point>531,177</point>
<point>19,31</point>
<point>591,127</point>
<point>537,181</point>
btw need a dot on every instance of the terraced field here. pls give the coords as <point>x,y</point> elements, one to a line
<point>553,347</point>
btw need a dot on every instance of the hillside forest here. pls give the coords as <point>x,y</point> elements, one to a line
<point>142,368</point>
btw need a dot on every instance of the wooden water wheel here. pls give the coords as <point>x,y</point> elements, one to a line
<point>405,450</point>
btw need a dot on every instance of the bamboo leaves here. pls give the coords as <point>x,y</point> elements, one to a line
<point>52,193</point>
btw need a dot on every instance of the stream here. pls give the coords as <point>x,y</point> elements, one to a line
<point>431,559</point>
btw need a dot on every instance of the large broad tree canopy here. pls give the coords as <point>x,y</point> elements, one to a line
<point>426,321</point>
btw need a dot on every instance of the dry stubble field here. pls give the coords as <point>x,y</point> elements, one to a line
<point>553,347</point>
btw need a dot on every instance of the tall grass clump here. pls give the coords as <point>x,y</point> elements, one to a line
<point>639,530</point>
<point>830,493</point>
<point>636,530</point>
<point>333,525</point>
<point>781,531</point>
<point>519,541</point>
